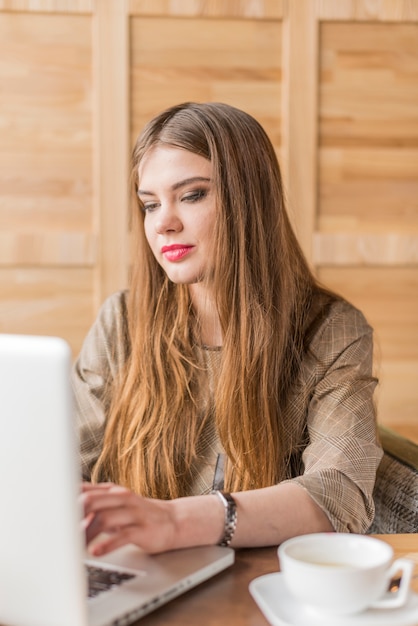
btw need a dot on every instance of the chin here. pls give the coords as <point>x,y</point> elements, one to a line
<point>180,280</point>
<point>185,279</point>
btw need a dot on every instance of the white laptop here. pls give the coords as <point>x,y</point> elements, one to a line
<point>43,564</point>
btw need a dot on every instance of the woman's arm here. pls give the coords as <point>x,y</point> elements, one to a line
<point>343,452</point>
<point>265,517</point>
<point>102,355</point>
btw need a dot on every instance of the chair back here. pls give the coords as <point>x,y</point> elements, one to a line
<point>396,489</point>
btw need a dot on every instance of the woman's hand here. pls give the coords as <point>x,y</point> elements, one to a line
<point>125,518</point>
<point>266,517</point>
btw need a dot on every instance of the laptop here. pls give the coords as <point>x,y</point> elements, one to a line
<point>46,576</point>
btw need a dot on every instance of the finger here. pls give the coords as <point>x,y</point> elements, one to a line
<point>149,542</point>
<point>130,535</point>
<point>115,497</point>
<point>111,521</point>
<point>85,486</point>
<point>86,521</point>
<point>110,543</point>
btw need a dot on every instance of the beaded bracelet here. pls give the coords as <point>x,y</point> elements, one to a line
<point>230,516</point>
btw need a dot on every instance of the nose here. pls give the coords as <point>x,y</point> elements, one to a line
<point>167,220</point>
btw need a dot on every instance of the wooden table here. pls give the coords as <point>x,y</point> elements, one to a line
<point>225,599</point>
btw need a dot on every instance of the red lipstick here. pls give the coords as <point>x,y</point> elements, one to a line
<point>176,252</point>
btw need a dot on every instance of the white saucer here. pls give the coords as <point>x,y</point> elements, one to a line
<point>281,609</point>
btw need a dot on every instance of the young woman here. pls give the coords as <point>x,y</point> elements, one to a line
<point>225,366</point>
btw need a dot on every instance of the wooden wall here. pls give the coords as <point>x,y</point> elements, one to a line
<point>335,84</point>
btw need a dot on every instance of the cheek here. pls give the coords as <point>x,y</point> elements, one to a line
<point>148,231</point>
<point>208,228</point>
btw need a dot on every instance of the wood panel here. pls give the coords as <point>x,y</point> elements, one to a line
<point>261,9</point>
<point>368,10</point>
<point>389,298</point>
<point>111,141</point>
<point>368,127</point>
<point>47,301</point>
<point>234,61</point>
<point>46,180</point>
<point>45,119</point>
<point>366,240</point>
<point>48,6</point>
<point>300,94</point>
<point>350,248</point>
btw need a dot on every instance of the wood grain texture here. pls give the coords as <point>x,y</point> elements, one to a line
<point>368,10</point>
<point>233,61</point>
<point>389,299</point>
<point>47,301</point>
<point>366,240</point>
<point>46,136</point>
<point>272,9</point>
<point>357,249</point>
<point>368,128</point>
<point>300,115</point>
<point>111,141</point>
<point>48,6</point>
<point>55,249</point>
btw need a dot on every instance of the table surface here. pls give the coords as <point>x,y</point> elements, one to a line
<point>225,599</point>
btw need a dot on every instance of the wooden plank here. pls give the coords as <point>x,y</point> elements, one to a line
<point>47,302</point>
<point>388,296</point>
<point>46,139</point>
<point>368,10</point>
<point>111,145</point>
<point>234,61</point>
<point>389,249</point>
<point>246,9</point>
<point>368,155</point>
<point>47,249</point>
<point>380,61</point>
<point>300,58</point>
<point>48,6</point>
<point>397,395</point>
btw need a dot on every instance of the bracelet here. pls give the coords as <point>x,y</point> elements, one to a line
<point>230,516</point>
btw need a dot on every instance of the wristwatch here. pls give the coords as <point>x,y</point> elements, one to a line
<point>230,516</point>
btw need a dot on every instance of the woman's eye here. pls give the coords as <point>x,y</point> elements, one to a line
<point>148,207</point>
<point>195,196</point>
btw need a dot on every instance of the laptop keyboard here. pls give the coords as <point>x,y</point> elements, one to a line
<point>100,579</point>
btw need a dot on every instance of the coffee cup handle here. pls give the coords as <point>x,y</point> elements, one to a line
<point>395,599</point>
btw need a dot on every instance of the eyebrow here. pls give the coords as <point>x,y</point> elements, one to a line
<point>179,185</point>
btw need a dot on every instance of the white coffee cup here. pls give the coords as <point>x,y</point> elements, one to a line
<point>342,573</point>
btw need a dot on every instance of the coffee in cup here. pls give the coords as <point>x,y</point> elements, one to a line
<point>342,573</point>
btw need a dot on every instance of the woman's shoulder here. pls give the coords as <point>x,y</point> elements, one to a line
<point>110,325</point>
<point>106,343</point>
<point>335,319</point>
<point>115,302</point>
<point>113,311</point>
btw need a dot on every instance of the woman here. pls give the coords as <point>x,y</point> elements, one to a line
<point>225,365</point>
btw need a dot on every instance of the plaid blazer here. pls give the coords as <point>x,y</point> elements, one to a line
<point>336,454</point>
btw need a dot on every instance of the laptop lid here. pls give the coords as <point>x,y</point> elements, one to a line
<point>39,524</point>
<point>42,557</point>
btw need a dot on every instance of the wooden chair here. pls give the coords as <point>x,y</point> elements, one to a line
<point>396,489</point>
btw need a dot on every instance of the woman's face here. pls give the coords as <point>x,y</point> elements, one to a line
<point>177,191</point>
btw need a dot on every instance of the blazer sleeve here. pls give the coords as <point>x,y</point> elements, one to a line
<point>102,355</point>
<point>343,451</point>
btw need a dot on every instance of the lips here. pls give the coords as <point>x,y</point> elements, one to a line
<point>176,252</point>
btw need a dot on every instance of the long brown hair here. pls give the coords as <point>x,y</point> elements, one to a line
<point>263,289</point>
